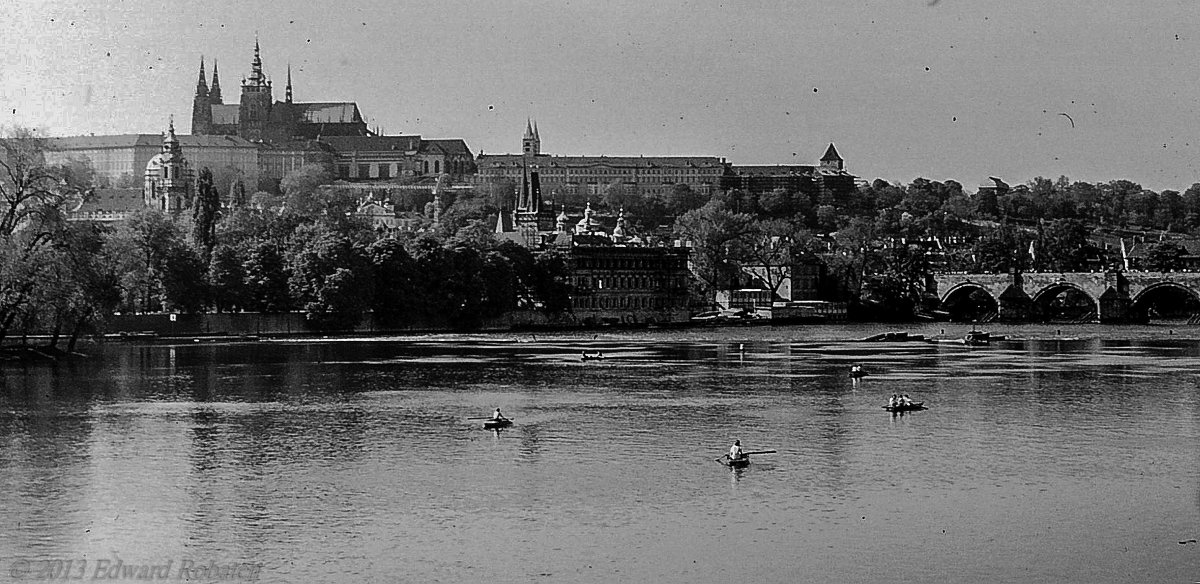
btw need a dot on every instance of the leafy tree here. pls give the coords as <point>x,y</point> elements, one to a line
<point>330,277</point>
<point>1165,256</point>
<point>205,212</point>
<point>266,280</point>
<point>227,276</point>
<point>395,282</point>
<point>712,229</point>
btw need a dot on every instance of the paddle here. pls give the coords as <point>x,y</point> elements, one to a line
<point>481,418</point>
<point>758,452</point>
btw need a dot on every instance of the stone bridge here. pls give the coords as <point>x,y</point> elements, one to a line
<point>1115,296</point>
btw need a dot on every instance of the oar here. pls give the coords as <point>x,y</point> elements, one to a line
<point>760,452</point>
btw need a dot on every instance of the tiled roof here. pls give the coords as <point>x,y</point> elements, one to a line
<point>112,141</point>
<point>151,140</point>
<point>602,161</point>
<point>225,114</point>
<point>455,146</point>
<point>113,201</point>
<point>373,143</point>
<point>345,112</point>
<point>772,169</point>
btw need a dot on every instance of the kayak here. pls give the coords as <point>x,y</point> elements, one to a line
<point>492,424</point>
<point>908,408</point>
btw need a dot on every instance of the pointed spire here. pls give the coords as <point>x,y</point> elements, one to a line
<point>831,153</point>
<point>536,135</point>
<point>287,95</point>
<point>528,128</point>
<point>201,86</point>
<point>256,73</point>
<point>214,93</point>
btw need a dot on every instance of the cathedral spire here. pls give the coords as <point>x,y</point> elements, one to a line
<point>287,96</point>
<point>256,72</point>
<point>201,86</point>
<point>214,93</point>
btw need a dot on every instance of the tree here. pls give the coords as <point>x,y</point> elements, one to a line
<point>395,282</point>
<point>227,278</point>
<point>205,212</point>
<point>711,230</point>
<point>330,277</point>
<point>1165,256</point>
<point>266,279</point>
<point>33,197</point>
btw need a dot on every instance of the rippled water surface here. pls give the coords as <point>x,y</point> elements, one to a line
<point>1055,456</point>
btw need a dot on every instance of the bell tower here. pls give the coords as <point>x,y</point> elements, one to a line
<point>254,110</point>
<point>531,143</point>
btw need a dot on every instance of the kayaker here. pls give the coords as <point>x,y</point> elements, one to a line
<point>735,451</point>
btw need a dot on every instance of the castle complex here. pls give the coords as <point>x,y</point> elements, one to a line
<point>259,118</point>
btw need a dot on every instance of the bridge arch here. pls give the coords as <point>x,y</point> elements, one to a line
<point>969,301</point>
<point>1064,300</point>
<point>1166,300</point>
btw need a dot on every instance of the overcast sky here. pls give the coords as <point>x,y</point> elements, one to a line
<point>956,89</point>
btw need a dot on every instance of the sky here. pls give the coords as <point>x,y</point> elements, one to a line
<point>940,89</point>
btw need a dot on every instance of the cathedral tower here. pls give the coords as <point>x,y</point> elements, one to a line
<point>214,92</point>
<point>254,110</point>
<point>201,108</point>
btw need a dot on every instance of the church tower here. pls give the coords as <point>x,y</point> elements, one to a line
<point>832,160</point>
<point>254,110</point>
<point>201,108</point>
<point>168,185</point>
<point>531,143</point>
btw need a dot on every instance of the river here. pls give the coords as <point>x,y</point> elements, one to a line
<point>1058,455</point>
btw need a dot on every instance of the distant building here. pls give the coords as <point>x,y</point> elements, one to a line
<point>616,277</point>
<point>584,177</point>
<point>824,182</point>
<point>168,185</point>
<point>381,158</point>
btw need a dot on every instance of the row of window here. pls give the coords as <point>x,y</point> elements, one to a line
<point>387,170</point>
<point>656,263</point>
<point>622,282</point>
<point>624,302</point>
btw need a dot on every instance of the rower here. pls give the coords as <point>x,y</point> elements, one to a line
<point>904,401</point>
<point>497,416</point>
<point>894,401</point>
<point>735,451</point>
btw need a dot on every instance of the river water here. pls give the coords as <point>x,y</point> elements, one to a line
<point>1055,456</point>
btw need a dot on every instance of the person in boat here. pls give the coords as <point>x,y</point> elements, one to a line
<point>498,417</point>
<point>736,452</point>
<point>894,401</point>
<point>904,401</point>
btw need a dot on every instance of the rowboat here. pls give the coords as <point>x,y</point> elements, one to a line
<point>742,462</point>
<point>906,408</point>
<point>501,423</point>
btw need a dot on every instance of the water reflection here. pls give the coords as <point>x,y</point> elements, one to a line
<point>355,460</point>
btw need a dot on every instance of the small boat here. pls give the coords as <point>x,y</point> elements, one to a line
<point>742,462</point>
<point>856,373</point>
<point>977,339</point>
<point>494,424</point>
<point>915,406</point>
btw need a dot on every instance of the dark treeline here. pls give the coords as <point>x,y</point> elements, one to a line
<point>304,249</point>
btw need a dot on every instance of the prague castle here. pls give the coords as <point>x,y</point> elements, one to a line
<point>259,118</point>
